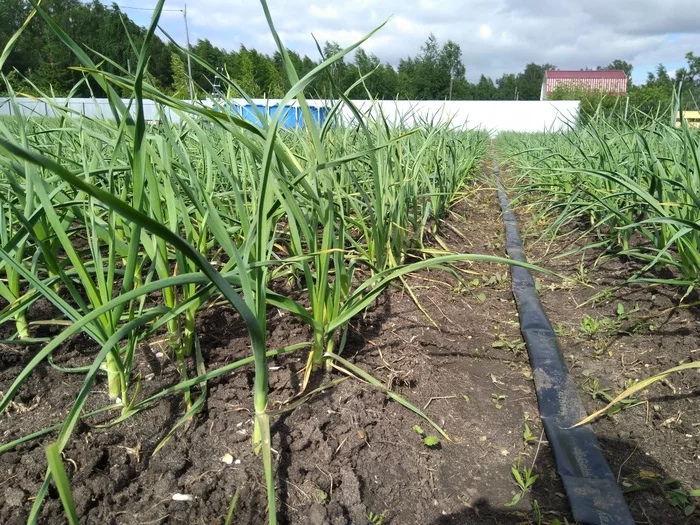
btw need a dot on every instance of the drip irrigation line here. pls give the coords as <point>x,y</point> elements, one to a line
<point>591,487</point>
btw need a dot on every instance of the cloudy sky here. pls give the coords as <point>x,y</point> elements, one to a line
<point>496,36</point>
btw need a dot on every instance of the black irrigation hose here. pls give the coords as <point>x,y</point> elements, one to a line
<point>594,495</point>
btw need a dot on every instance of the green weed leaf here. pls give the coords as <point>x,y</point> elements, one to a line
<point>431,441</point>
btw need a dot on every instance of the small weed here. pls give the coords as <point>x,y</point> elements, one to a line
<point>637,326</point>
<point>623,315</point>
<point>599,348</point>
<point>428,441</point>
<point>590,326</point>
<point>603,296</point>
<point>377,519</point>
<point>517,346</point>
<point>319,496</point>
<point>592,386</point>
<point>527,436</point>
<point>561,331</point>
<point>497,279</point>
<point>431,441</point>
<point>593,327</point>
<point>680,497</point>
<point>499,400</point>
<point>524,479</point>
<point>537,516</point>
<point>640,324</point>
<point>582,272</point>
<point>463,286</point>
<point>597,329</point>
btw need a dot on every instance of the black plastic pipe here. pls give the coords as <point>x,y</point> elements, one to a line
<point>591,488</point>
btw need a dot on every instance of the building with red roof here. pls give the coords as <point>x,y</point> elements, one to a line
<point>612,81</point>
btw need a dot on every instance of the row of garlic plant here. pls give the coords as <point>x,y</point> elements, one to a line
<point>102,217</point>
<point>635,186</point>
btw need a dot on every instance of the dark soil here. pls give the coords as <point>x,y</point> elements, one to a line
<point>350,453</point>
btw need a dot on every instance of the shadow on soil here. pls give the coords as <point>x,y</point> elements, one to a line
<point>643,480</point>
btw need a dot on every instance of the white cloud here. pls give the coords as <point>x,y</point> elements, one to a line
<point>327,11</point>
<point>496,36</point>
<point>403,24</point>
<point>485,31</point>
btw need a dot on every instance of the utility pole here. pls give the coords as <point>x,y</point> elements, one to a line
<point>189,60</point>
<point>190,84</point>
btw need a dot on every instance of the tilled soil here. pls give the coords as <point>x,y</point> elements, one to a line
<point>351,455</point>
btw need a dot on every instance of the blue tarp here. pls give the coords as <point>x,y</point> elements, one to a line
<point>291,116</point>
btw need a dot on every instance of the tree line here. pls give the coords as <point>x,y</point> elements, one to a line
<point>40,62</point>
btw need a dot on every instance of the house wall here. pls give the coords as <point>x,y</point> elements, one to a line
<point>607,85</point>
